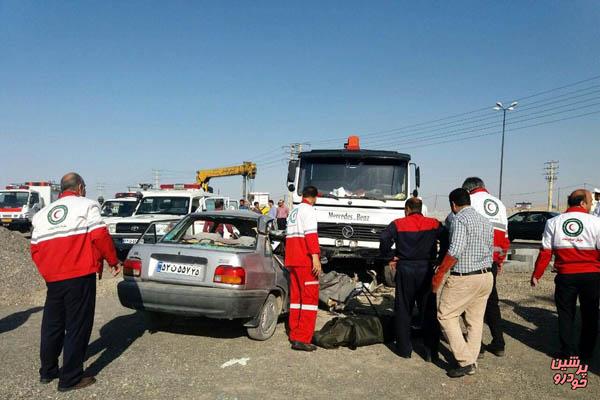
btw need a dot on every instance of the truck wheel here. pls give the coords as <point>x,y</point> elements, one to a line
<point>389,276</point>
<point>267,320</point>
<point>156,321</point>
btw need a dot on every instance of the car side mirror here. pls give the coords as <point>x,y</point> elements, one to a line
<point>291,177</point>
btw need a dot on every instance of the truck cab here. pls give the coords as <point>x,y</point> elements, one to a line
<point>360,193</point>
<point>168,202</point>
<point>20,202</point>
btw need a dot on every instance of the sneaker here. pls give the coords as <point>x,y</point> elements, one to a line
<point>303,346</point>
<point>462,371</point>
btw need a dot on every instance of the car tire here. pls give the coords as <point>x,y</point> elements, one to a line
<point>267,319</point>
<point>389,276</point>
<point>156,321</point>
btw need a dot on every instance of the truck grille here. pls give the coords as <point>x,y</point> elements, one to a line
<point>359,232</point>
<point>125,227</point>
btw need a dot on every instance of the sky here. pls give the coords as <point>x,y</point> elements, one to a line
<point>114,90</point>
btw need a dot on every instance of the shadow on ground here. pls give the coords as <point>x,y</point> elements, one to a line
<point>118,334</point>
<point>543,337</point>
<point>17,319</point>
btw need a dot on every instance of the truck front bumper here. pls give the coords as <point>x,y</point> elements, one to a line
<point>17,224</point>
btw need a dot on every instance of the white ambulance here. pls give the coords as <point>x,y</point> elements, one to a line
<point>171,202</point>
<point>20,202</point>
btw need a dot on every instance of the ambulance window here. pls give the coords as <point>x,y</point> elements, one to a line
<point>195,204</point>
<point>34,199</point>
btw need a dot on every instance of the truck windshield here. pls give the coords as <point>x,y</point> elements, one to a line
<point>118,208</point>
<point>164,205</point>
<point>370,178</point>
<point>13,199</point>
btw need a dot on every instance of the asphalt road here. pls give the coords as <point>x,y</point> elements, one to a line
<point>204,359</point>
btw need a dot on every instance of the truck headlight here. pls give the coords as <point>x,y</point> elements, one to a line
<point>112,228</point>
<point>339,243</point>
<point>353,244</point>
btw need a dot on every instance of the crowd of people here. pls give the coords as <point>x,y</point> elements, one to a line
<point>448,270</point>
<point>279,213</point>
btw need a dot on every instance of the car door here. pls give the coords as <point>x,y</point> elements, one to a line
<point>516,225</point>
<point>535,224</point>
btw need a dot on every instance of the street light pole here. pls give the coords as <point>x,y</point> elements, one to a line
<point>502,153</point>
<point>499,107</point>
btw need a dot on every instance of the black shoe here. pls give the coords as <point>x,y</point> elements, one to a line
<point>83,383</point>
<point>46,381</point>
<point>495,349</point>
<point>303,346</point>
<point>462,371</point>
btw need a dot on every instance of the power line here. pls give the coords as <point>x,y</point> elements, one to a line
<point>375,133</point>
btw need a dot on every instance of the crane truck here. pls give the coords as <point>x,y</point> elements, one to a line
<point>360,193</point>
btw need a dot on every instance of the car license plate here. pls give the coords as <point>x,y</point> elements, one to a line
<point>130,241</point>
<point>179,269</point>
<point>6,220</point>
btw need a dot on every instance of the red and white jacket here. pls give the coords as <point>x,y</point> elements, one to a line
<point>574,239</point>
<point>302,239</point>
<point>493,209</point>
<point>70,239</point>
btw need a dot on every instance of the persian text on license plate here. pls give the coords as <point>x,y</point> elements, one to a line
<point>180,269</point>
<point>130,240</point>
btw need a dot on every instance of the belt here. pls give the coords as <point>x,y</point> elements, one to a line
<point>479,271</point>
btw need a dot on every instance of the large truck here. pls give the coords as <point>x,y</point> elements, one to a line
<point>20,202</point>
<point>360,193</point>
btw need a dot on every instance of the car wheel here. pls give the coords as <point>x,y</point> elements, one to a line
<point>156,321</point>
<point>267,320</point>
<point>389,276</point>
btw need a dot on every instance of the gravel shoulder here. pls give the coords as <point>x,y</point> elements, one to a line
<point>186,361</point>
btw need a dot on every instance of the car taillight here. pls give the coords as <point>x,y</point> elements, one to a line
<point>132,267</point>
<point>230,275</point>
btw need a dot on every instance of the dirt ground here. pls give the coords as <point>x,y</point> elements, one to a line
<point>190,360</point>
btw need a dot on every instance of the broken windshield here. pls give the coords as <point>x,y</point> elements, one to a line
<point>214,232</point>
<point>368,179</point>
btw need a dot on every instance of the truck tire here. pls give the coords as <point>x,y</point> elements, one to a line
<point>156,321</point>
<point>267,319</point>
<point>389,277</point>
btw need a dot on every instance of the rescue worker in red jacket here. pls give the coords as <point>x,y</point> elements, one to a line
<point>416,238</point>
<point>492,208</point>
<point>69,243</point>
<point>303,260</point>
<point>574,240</point>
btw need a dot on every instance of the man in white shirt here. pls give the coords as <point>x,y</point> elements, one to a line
<point>596,203</point>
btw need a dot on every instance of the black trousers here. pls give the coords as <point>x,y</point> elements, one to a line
<point>492,316</point>
<point>568,288</point>
<point>67,326</point>
<point>412,279</point>
<point>281,223</point>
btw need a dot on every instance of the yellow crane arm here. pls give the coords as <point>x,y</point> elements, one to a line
<point>247,169</point>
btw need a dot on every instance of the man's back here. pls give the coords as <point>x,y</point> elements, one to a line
<point>494,210</point>
<point>415,237</point>
<point>63,235</point>
<point>471,241</point>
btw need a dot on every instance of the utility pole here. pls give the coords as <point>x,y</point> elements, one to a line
<point>156,174</point>
<point>551,174</point>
